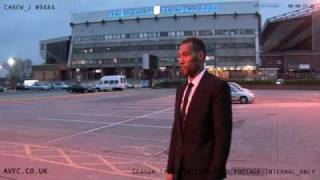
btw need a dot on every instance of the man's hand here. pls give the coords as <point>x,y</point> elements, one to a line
<point>169,177</point>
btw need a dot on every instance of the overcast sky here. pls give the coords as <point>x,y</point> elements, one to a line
<point>21,31</point>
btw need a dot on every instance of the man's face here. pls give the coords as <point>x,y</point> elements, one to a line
<point>190,61</point>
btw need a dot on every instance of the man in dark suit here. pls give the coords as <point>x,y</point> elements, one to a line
<point>201,133</point>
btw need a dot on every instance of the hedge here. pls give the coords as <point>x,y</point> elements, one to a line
<point>167,83</point>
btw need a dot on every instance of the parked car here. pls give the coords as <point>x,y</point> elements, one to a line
<point>242,95</point>
<point>41,86</point>
<point>1,89</point>
<point>280,81</point>
<point>237,86</point>
<point>59,85</point>
<point>22,87</point>
<point>81,88</point>
<point>128,85</point>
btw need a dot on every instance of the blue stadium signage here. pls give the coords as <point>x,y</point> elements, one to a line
<point>130,12</point>
<point>162,10</point>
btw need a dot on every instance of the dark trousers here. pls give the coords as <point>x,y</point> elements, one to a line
<point>182,176</point>
<point>180,173</point>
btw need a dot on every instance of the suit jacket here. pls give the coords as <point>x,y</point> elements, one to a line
<point>200,146</point>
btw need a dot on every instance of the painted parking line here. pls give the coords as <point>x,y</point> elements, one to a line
<point>99,115</point>
<point>143,149</point>
<point>66,157</point>
<point>134,138</point>
<point>128,120</point>
<point>116,115</point>
<point>70,158</point>
<point>5,126</point>
<point>106,126</point>
<point>278,105</point>
<point>28,150</point>
<point>146,126</point>
<point>99,122</point>
<point>121,110</point>
<point>72,120</point>
<point>108,163</point>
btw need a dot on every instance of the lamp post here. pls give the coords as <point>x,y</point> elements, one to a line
<point>78,75</point>
<point>11,62</point>
<point>116,64</point>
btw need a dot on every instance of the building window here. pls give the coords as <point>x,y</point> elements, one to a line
<point>188,33</point>
<point>180,33</point>
<point>234,45</point>
<point>247,31</point>
<point>202,32</point>
<point>163,34</point>
<point>172,34</point>
<point>205,33</point>
<point>219,32</point>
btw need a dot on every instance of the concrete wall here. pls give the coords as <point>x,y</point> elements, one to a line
<point>316,31</point>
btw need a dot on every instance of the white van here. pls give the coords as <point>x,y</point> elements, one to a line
<point>113,82</point>
<point>29,83</point>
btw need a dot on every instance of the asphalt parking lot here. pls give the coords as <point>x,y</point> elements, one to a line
<point>124,135</point>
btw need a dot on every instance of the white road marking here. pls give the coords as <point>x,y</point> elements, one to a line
<point>99,122</point>
<point>99,115</point>
<point>27,150</point>
<point>278,105</point>
<point>5,126</point>
<point>107,126</point>
<point>135,138</point>
<point>108,163</point>
<point>66,157</point>
<point>128,120</point>
<point>114,115</point>
<point>72,120</point>
<point>147,126</point>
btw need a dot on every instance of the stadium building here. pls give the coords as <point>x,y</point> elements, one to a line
<point>55,53</point>
<point>291,45</point>
<point>115,41</point>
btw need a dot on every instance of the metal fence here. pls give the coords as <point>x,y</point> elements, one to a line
<point>300,76</point>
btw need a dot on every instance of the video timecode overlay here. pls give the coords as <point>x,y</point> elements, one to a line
<point>29,7</point>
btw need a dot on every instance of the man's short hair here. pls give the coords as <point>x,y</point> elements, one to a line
<point>197,44</point>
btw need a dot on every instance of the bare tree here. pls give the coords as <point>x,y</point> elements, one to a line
<point>18,71</point>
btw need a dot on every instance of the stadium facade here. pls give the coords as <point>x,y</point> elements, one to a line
<point>114,41</point>
<point>291,44</point>
<point>55,53</point>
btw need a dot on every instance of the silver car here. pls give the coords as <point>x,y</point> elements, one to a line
<point>280,81</point>
<point>41,86</point>
<point>240,94</point>
<point>59,85</point>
